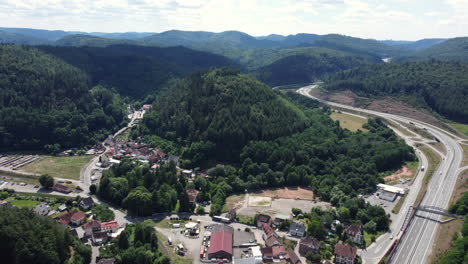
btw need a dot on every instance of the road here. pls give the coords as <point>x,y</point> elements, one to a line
<point>416,244</point>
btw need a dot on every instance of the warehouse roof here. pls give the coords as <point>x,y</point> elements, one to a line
<point>221,241</point>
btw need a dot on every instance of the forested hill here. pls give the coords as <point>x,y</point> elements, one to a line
<point>216,113</point>
<point>46,103</point>
<point>306,68</point>
<point>441,86</point>
<point>136,71</point>
<point>455,49</point>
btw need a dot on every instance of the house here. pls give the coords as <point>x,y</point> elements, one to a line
<point>279,218</point>
<point>111,226</point>
<point>272,241</point>
<point>86,203</point>
<point>78,218</point>
<point>5,203</point>
<point>101,260</point>
<point>268,232</point>
<point>221,245</point>
<point>99,238</point>
<point>274,253</point>
<point>309,244</point>
<point>91,227</point>
<point>355,233</point>
<point>263,220</point>
<point>192,195</point>
<point>42,209</point>
<point>65,219</point>
<point>296,229</point>
<point>293,258</point>
<point>62,208</point>
<point>345,254</point>
<point>61,188</point>
<point>147,107</point>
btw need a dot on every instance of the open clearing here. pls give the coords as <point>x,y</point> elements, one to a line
<point>462,128</point>
<point>403,173</point>
<point>350,122</point>
<point>287,193</point>
<point>274,201</point>
<point>61,167</point>
<point>261,201</point>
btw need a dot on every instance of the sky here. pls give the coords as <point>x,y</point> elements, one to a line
<point>384,19</point>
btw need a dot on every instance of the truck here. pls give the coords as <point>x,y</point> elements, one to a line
<point>221,219</point>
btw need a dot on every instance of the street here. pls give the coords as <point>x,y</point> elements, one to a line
<point>416,244</point>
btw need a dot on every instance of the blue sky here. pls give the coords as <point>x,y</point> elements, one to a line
<point>385,19</point>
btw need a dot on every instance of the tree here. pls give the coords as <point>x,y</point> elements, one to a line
<point>370,227</point>
<point>103,213</point>
<point>92,188</point>
<point>46,181</point>
<point>122,241</point>
<point>200,210</point>
<point>296,211</point>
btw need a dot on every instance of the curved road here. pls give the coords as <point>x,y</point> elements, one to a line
<point>416,243</point>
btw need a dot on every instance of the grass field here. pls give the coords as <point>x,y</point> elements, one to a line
<point>24,203</point>
<point>465,155</point>
<point>462,128</point>
<point>399,204</point>
<point>368,238</point>
<point>350,122</point>
<point>61,167</point>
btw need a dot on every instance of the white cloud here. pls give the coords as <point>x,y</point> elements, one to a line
<point>399,19</point>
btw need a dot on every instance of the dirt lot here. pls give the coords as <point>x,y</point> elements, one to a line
<point>259,201</point>
<point>287,193</point>
<point>387,104</point>
<point>282,206</point>
<point>402,173</point>
<point>351,122</point>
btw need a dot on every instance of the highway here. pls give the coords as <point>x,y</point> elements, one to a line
<point>416,244</point>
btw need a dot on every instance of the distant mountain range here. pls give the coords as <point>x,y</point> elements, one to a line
<point>274,59</point>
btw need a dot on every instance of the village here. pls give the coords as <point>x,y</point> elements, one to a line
<point>273,233</point>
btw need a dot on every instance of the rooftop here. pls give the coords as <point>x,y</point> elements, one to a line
<point>345,250</point>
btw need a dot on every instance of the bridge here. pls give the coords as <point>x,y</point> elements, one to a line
<point>437,210</point>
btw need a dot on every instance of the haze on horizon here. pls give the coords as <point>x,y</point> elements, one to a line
<point>392,19</point>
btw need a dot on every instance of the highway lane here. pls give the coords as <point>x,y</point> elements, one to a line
<point>416,245</point>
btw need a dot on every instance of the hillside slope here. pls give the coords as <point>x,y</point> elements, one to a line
<point>136,71</point>
<point>441,86</point>
<point>455,49</point>
<point>45,102</point>
<point>222,110</point>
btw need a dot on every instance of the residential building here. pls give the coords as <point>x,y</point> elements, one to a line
<point>274,253</point>
<point>345,254</point>
<point>192,195</point>
<point>296,229</point>
<point>272,241</point>
<point>61,188</point>
<point>86,203</point>
<point>268,232</point>
<point>309,244</point>
<point>99,238</point>
<point>78,218</point>
<point>42,209</point>
<point>62,208</point>
<point>263,220</point>
<point>293,258</point>
<point>279,218</point>
<point>355,232</point>
<point>111,226</point>
<point>91,227</point>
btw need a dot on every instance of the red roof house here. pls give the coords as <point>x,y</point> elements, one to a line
<point>344,253</point>
<point>192,194</point>
<point>111,226</point>
<point>220,245</point>
<point>78,218</point>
